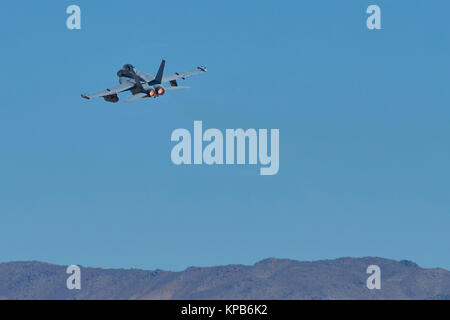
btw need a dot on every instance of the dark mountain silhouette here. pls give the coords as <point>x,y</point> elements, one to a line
<point>343,278</point>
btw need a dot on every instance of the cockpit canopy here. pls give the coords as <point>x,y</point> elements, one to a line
<point>126,71</point>
<point>128,66</point>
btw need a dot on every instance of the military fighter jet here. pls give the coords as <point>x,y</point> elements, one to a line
<point>143,85</point>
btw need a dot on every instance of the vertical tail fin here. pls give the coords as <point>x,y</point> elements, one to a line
<point>160,73</point>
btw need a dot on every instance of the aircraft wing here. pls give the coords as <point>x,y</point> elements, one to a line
<point>176,75</point>
<point>120,88</point>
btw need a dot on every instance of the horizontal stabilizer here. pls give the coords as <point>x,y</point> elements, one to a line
<point>136,97</point>
<point>176,88</point>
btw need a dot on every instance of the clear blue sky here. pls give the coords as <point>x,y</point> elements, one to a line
<point>363,118</point>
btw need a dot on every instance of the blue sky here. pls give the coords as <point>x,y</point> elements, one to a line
<point>363,118</point>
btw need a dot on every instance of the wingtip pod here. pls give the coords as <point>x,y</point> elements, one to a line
<point>202,68</point>
<point>85,96</point>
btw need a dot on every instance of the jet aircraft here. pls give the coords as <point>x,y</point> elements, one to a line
<point>143,85</point>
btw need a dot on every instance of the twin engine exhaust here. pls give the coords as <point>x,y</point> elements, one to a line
<point>155,92</point>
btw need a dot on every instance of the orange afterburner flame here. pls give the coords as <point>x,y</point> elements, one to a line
<point>160,91</point>
<point>152,93</point>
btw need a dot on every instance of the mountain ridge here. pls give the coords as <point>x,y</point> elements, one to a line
<point>270,278</point>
